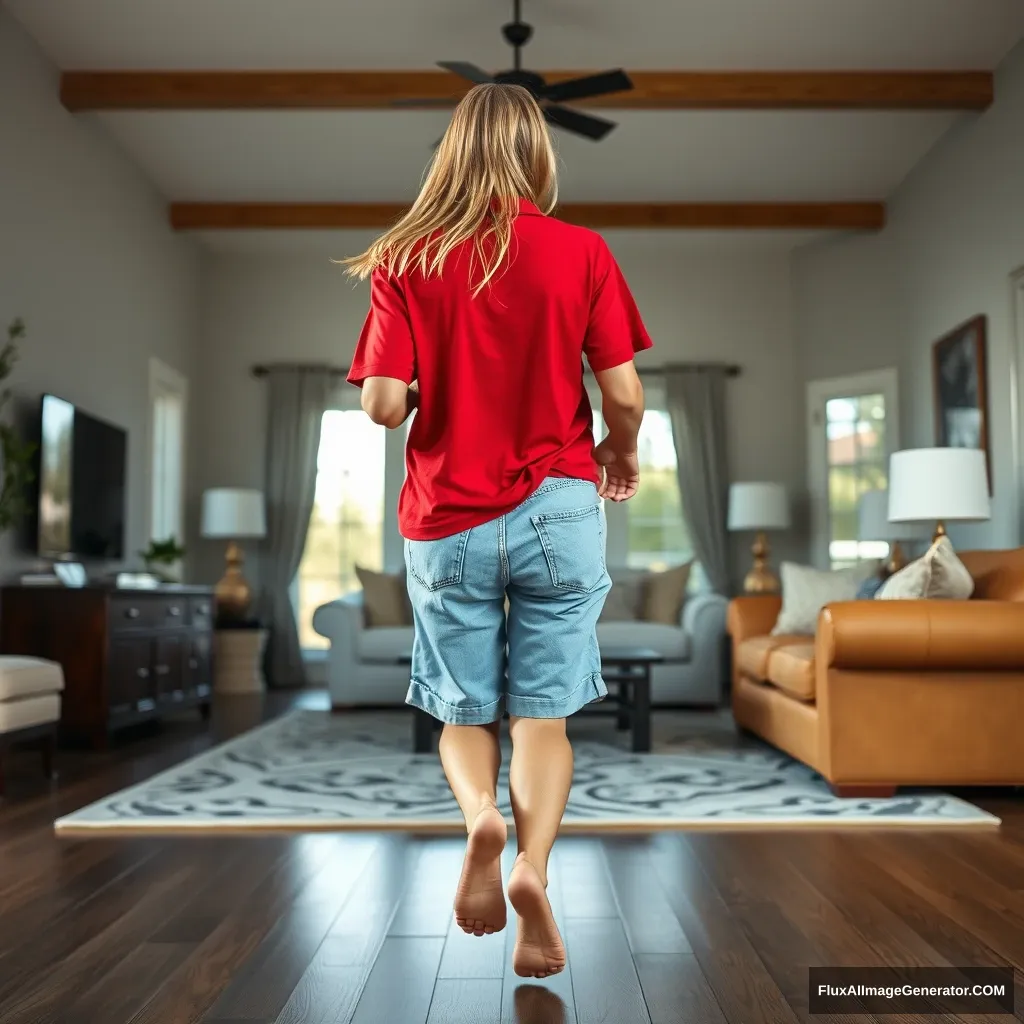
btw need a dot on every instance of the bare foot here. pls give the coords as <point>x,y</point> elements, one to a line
<point>539,952</point>
<point>480,899</point>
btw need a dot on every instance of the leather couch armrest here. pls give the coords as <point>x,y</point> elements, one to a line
<point>753,616</point>
<point>922,636</point>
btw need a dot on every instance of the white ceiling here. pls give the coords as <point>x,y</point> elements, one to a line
<point>715,34</point>
<point>653,155</point>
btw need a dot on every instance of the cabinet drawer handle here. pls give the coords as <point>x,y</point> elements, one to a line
<point>204,609</point>
<point>143,673</point>
<point>162,670</point>
<point>131,613</point>
<point>174,611</point>
<point>193,663</point>
<point>146,704</point>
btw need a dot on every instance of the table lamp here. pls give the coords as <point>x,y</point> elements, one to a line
<point>873,525</point>
<point>939,485</point>
<point>233,514</point>
<point>759,507</point>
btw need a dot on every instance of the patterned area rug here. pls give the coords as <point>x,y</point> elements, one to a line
<point>312,770</point>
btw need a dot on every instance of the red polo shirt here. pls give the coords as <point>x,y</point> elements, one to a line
<point>502,399</point>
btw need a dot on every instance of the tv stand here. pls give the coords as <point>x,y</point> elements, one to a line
<point>128,655</point>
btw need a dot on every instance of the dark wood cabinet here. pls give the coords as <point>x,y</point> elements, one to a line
<point>127,655</point>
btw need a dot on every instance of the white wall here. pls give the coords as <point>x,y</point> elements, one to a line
<point>956,233</point>
<point>731,304</point>
<point>87,259</point>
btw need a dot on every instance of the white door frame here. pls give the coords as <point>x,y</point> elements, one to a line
<point>1017,398</point>
<point>165,379</point>
<point>884,382</point>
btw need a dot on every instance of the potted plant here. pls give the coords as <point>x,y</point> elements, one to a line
<point>163,559</point>
<point>15,452</point>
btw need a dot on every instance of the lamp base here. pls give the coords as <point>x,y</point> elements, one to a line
<point>761,579</point>
<point>940,532</point>
<point>897,559</point>
<point>233,593</point>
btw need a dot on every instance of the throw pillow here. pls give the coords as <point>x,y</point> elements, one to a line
<point>869,588</point>
<point>385,598</point>
<point>937,575</point>
<point>624,600</point>
<point>664,594</point>
<point>806,590</point>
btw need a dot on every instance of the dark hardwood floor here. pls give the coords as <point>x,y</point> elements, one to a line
<point>329,929</point>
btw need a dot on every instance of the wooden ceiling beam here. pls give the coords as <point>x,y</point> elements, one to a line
<point>653,90</point>
<point>854,216</point>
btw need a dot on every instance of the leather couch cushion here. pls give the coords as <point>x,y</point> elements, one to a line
<point>752,655</point>
<point>791,669</point>
<point>28,677</point>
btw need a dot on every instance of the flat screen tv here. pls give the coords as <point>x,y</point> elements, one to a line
<point>81,476</point>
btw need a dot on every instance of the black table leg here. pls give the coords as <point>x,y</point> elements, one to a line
<point>624,718</point>
<point>422,732</point>
<point>642,712</point>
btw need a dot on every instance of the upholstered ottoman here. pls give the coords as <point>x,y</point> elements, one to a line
<point>30,693</point>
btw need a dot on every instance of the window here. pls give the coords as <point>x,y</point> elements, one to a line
<point>168,392</point>
<point>853,424</point>
<point>648,531</point>
<point>347,524</point>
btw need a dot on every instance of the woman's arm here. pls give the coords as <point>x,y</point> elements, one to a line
<point>388,401</point>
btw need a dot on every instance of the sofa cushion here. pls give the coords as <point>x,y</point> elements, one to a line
<point>384,643</point>
<point>664,594</point>
<point>791,669</point>
<point>752,655</point>
<point>25,712</point>
<point>937,575</point>
<point>671,642</point>
<point>27,677</point>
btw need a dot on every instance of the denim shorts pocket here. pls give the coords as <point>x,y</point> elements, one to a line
<point>573,543</point>
<point>437,563</point>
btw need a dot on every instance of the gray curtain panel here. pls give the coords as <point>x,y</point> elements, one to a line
<point>696,406</point>
<point>296,401</point>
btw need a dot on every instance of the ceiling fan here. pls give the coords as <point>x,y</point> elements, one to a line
<point>551,96</point>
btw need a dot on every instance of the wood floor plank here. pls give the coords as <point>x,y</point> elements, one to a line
<point>425,909</point>
<point>190,992</point>
<point>469,957</point>
<point>466,1001</point>
<point>741,983</point>
<point>263,985</point>
<point>651,927</point>
<point>605,984</point>
<point>586,888</point>
<point>330,987</point>
<point>675,989</point>
<point>401,984</point>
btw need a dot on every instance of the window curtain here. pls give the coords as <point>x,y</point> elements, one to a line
<point>297,398</point>
<point>695,398</point>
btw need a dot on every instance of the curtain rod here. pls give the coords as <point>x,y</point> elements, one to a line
<point>731,369</point>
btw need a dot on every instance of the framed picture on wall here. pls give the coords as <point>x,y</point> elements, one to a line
<point>960,380</point>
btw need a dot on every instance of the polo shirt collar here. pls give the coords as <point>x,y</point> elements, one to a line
<point>528,209</point>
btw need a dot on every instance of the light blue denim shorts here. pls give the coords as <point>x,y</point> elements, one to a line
<point>469,661</point>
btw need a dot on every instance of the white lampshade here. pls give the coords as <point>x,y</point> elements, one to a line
<point>873,521</point>
<point>758,506</point>
<point>929,484</point>
<point>233,513</point>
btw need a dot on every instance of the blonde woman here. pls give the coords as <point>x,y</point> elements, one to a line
<point>482,310</point>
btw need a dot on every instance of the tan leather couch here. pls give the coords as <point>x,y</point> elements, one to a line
<point>892,693</point>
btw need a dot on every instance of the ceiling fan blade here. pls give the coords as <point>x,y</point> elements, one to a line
<point>595,128</point>
<point>465,70</point>
<point>590,85</point>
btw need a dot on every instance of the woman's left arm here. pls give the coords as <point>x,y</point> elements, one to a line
<point>389,401</point>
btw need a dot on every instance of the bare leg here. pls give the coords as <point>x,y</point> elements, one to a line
<point>539,779</point>
<point>471,757</point>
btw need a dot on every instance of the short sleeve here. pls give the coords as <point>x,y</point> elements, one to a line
<point>615,331</point>
<point>385,347</point>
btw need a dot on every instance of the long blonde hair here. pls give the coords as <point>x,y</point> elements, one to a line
<point>496,151</point>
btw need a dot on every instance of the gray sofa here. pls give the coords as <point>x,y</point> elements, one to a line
<point>362,666</point>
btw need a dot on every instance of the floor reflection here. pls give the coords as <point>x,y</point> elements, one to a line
<point>537,1005</point>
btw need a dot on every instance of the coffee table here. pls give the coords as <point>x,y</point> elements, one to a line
<point>626,671</point>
